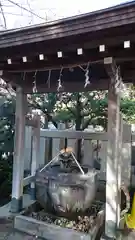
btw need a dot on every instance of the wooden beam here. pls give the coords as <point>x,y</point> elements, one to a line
<point>69,79</point>
<point>69,59</point>
<point>69,87</point>
<point>19,147</point>
<point>112,189</point>
<point>73,134</point>
<point>110,67</point>
<point>87,42</point>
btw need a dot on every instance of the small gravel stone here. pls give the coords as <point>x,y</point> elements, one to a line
<point>82,224</point>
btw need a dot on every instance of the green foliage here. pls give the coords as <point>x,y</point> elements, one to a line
<point>5,176</point>
<point>63,115</point>
<point>7,120</point>
<point>46,103</point>
<point>88,108</point>
<point>128,110</point>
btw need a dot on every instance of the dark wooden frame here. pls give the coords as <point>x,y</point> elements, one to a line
<point>110,27</point>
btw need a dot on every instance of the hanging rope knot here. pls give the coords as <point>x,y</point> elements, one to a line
<point>118,80</point>
<point>59,85</point>
<point>87,81</point>
<point>49,78</point>
<point>59,81</point>
<point>34,83</point>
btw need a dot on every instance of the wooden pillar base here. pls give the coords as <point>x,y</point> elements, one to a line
<point>16,205</point>
<point>19,148</point>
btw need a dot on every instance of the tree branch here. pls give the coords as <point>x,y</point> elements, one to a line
<point>86,124</point>
<point>49,117</point>
<point>71,110</point>
<point>34,103</point>
<point>4,19</point>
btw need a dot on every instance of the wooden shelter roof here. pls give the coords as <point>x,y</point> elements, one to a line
<point>109,27</point>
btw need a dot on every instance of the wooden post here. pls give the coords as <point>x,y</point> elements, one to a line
<point>35,153</point>
<point>58,144</point>
<point>62,140</point>
<point>46,153</point>
<point>103,156</point>
<point>112,189</point>
<point>119,169</point>
<point>27,153</point>
<point>72,142</point>
<point>19,147</point>
<point>88,158</point>
<point>43,145</point>
<point>126,155</point>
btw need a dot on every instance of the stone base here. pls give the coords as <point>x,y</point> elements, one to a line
<point>16,205</point>
<point>44,230</point>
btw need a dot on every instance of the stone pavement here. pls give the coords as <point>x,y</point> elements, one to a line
<point>20,236</point>
<point>5,210</point>
<point>6,221</point>
<point>7,232</point>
